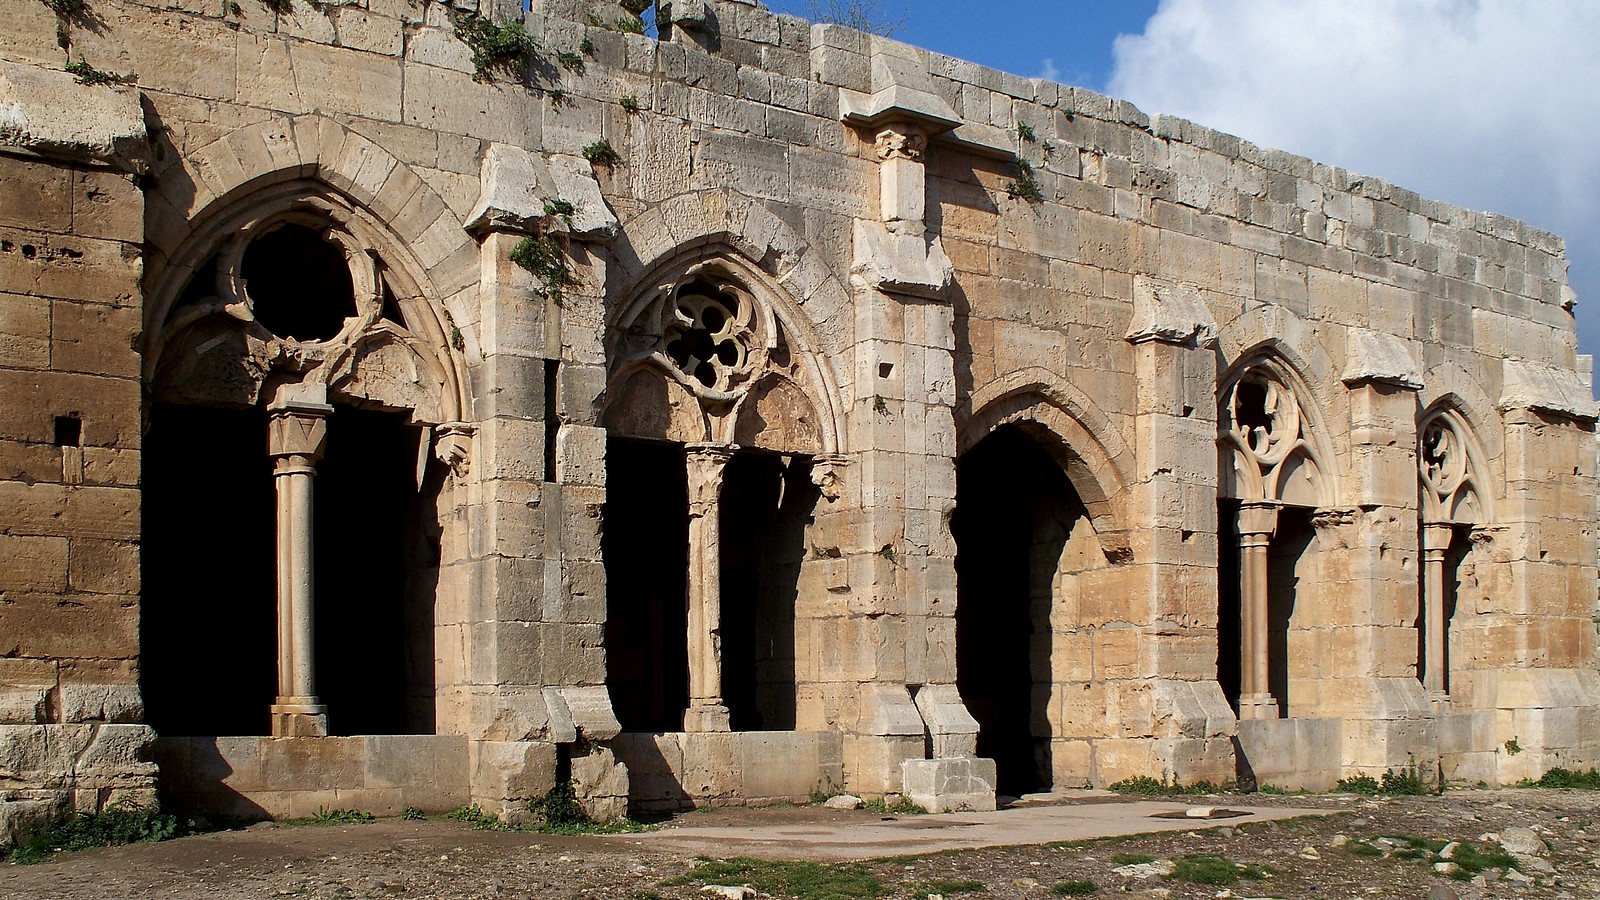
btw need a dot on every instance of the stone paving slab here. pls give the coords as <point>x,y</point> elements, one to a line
<point>908,835</point>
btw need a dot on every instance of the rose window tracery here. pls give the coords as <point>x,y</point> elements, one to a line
<point>708,336</point>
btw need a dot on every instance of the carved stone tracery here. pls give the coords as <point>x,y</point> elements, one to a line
<point>1269,447</point>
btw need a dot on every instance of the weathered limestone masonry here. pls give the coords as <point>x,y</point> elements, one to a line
<point>761,409</point>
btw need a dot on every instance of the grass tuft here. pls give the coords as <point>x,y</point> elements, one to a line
<point>799,880</point>
<point>1209,868</point>
<point>1080,888</point>
<point>114,826</point>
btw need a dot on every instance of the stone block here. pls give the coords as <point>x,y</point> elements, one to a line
<point>950,785</point>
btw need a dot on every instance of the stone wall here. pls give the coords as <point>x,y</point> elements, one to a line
<point>932,252</point>
<point>71,225</point>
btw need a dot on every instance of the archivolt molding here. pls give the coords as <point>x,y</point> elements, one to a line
<point>1274,329</point>
<point>1273,436</point>
<point>1449,384</point>
<point>708,347</point>
<point>206,344</point>
<point>193,190</point>
<point>1082,437</point>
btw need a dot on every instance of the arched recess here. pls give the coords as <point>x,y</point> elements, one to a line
<point>1070,426</point>
<point>1278,473</point>
<point>1039,545</point>
<point>722,418</point>
<point>1455,501</point>
<point>293,327</point>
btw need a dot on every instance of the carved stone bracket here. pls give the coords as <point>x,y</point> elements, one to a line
<point>827,473</point>
<point>901,141</point>
<point>452,444</point>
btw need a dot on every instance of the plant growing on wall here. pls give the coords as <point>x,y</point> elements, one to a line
<point>542,257</point>
<point>1025,186</point>
<point>601,153</point>
<point>87,74</point>
<point>497,47</point>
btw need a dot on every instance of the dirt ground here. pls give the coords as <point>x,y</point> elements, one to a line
<point>1363,847</point>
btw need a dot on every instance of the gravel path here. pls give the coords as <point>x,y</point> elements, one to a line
<point>1361,848</point>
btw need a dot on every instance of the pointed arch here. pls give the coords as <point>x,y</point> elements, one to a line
<point>1077,433</point>
<point>779,370</point>
<point>1273,434</point>
<point>269,170</point>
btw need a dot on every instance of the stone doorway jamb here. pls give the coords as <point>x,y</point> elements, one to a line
<point>296,435</point>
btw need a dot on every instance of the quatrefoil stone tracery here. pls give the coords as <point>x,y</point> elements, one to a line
<point>706,339</point>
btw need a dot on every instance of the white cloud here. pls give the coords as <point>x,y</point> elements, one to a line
<point>1048,70</point>
<point>1491,104</point>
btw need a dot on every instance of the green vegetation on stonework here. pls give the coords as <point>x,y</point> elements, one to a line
<point>542,257</point>
<point>503,48</point>
<point>87,74</point>
<point>901,807</point>
<point>797,880</point>
<point>601,153</point>
<point>481,820</point>
<point>325,816</point>
<point>1145,786</point>
<point>1565,778</point>
<point>114,826</point>
<point>1408,782</point>
<point>1209,868</point>
<point>1025,186</point>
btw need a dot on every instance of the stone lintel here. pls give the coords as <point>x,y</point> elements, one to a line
<point>1373,356</point>
<point>1529,385</point>
<point>954,730</point>
<point>581,710</point>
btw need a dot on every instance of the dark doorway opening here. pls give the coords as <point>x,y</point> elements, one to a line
<point>1015,511</point>
<point>366,619</point>
<point>1229,623</point>
<point>646,551</point>
<point>767,501</point>
<point>1285,578</point>
<point>208,613</point>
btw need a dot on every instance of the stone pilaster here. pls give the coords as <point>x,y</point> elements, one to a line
<point>1184,726</point>
<point>1257,521</point>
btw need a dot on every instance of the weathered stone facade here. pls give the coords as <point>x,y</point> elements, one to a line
<point>850,416</point>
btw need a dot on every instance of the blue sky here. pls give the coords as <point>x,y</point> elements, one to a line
<point>1489,104</point>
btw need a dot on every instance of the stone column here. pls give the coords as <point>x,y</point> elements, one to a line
<point>706,710</point>
<point>296,434</point>
<point>1257,521</point>
<point>1435,543</point>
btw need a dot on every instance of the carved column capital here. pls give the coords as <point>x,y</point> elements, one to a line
<point>1436,537</point>
<point>1257,519</point>
<point>296,435</point>
<point>705,465</point>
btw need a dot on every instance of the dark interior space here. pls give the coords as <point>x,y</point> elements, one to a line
<point>767,501</point>
<point>646,550</point>
<point>1014,512</point>
<point>365,493</point>
<point>1228,613</point>
<point>299,284</point>
<point>208,612</point>
<point>1289,543</point>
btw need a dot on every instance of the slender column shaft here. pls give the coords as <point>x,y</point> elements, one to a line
<point>707,711</point>
<point>1435,544</point>
<point>1257,521</point>
<point>296,435</point>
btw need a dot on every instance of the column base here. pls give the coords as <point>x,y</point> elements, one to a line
<point>1258,706</point>
<point>707,717</point>
<point>299,717</point>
